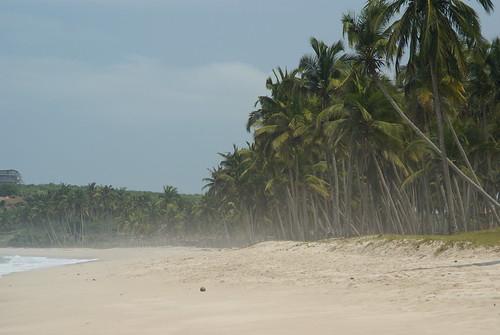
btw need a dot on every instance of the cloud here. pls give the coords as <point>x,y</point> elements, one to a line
<point>136,86</point>
<point>128,3</point>
<point>137,123</point>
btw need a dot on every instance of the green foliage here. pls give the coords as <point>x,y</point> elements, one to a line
<point>339,149</point>
<point>66,214</point>
<point>9,189</point>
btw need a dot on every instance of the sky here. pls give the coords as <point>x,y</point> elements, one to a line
<point>144,93</point>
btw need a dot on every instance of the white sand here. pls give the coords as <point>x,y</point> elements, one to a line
<point>340,287</point>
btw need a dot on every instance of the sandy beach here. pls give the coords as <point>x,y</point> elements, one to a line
<point>339,287</point>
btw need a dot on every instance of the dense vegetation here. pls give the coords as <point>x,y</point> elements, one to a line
<point>66,215</point>
<point>340,147</point>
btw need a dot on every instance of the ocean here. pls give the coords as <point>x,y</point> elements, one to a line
<point>11,264</point>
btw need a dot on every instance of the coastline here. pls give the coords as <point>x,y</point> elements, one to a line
<point>270,288</point>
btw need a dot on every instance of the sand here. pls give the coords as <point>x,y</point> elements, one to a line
<point>341,287</point>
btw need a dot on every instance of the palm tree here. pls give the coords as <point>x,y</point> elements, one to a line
<point>433,31</point>
<point>170,194</point>
<point>324,73</point>
<point>362,123</point>
<point>368,35</point>
<point>323,69</point>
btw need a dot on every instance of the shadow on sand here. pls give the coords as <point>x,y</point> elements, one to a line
<point>458,266</point>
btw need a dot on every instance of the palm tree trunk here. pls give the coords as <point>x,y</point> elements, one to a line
<point>460,205</point>
<point>82,236</point>
<point>348,193</point>
<point>461,148</point>
<point>452,223</point>
<point>397,218</point>
<point>338,221</point>
<point>467,161</point>
<point>283,232</point>
<point>433,146</point>
<point>226,230</point>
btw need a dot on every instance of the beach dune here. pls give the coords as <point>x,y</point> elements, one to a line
<point>339,287</point>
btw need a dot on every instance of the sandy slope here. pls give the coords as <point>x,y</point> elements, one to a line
<point>340,287</point>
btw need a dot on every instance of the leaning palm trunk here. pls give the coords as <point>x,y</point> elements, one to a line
<point>460,204</point>
<point>397,219</point>
<point>452,224</point>
<point>282,227</point>
<point>461,149</point>
<point>348,193</point>
<point>467,161</point>
<point>433,146</point>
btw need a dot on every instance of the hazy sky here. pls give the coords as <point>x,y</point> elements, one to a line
<point>143,93</point>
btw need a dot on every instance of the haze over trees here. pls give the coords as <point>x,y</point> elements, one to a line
<point>93,214</point>
<point>395,129</point>
<point>340,149</point>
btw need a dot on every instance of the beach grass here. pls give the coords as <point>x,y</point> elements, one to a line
<point>484,238</point>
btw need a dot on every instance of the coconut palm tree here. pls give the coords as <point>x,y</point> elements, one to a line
<point>433,31</point>
<point>368,36</point>
<point>323,70</point>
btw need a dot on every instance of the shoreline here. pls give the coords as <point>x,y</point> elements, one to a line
<point>15,263</point>
<point>345,287</point>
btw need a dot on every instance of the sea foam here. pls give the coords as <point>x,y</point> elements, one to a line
<point>11,264</point>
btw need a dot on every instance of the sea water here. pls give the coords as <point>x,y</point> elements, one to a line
<point>11,264</point>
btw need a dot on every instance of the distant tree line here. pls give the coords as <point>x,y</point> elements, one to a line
<point>72,215</point>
